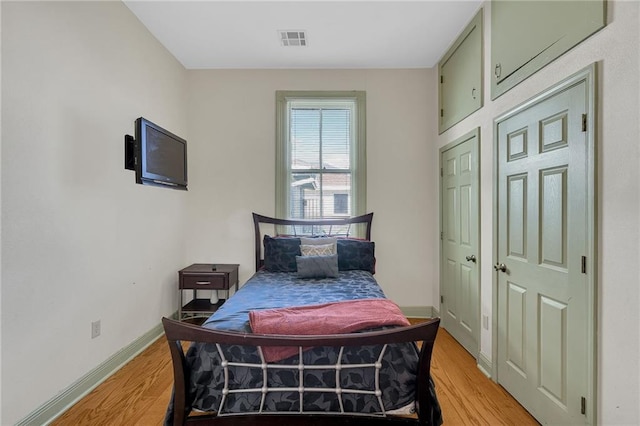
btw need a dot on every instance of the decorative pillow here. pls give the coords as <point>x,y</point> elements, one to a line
<point>317,266</point>
<point>317,250</point>
<point>311,241</point>
<point>356,255</point>
<point>280,253</point>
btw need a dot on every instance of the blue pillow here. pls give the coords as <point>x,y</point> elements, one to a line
<point>317,266</point>
<point>356,255</point>
<point>280,254</point>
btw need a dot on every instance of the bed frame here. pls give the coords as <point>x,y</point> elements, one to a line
<point>177,333</point>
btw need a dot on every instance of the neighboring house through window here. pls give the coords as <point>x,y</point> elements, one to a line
<point>320,154</point>
<point>340,204</point>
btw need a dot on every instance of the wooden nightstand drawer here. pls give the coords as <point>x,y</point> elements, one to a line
<point>205,276</point>
<point>205,282</point>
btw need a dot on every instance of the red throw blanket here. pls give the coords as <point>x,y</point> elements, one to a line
<point>330,318</point>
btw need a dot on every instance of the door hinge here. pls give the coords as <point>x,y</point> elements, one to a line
<point>441,112</point>
<point>584,264</point>
<point>441,172</point>
<point>441,299</point>
<point>583,405</point>
<point>441,79</point>
<point>584,122</point>
<point>441,235</point>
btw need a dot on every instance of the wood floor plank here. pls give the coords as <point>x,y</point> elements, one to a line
<point>138,393</point>
<point>466,395</point>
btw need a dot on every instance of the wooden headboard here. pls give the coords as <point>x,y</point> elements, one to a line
<point>358,226</point>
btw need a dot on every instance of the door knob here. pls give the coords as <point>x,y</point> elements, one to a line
<point>471,258</point>
<point>500,267</point>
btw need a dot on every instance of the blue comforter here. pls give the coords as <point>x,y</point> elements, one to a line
<point>270,290</point>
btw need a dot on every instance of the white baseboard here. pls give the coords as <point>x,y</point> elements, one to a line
<point>419,311</point>
<point>57,405</point>
<point>484,365</point>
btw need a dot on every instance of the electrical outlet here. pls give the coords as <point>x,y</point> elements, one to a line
<point>485,322</point>
<point>95,329</point>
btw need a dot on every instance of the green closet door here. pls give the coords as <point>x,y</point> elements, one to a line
<point>460,88</point>
<point>545,308</point>
<point>527,35</point>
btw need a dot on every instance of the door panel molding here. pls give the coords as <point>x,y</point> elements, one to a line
<point>553,130</point>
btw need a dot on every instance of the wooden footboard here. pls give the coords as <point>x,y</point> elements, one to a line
<point>427,413</point>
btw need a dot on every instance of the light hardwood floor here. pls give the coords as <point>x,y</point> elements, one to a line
<point>139,392</point>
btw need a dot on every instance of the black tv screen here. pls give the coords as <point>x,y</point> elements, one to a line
<point>161,156</point>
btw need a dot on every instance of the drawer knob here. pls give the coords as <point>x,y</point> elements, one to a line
<point>203,282</point>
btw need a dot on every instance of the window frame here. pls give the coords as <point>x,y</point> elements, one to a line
<point>358,158</point>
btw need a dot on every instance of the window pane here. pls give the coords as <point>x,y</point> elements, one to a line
<point>313,195</point>
<point>332,184</point>
<point>305,196</point>
<point>336,135</point>
<point>305,138</point>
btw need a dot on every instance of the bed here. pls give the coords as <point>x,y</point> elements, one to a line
<point>309,339</point>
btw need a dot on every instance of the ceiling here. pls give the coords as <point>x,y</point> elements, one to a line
<point>340,34</point>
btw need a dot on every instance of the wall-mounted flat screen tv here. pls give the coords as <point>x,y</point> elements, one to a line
<point>161,156</point>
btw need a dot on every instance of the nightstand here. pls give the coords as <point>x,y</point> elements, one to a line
<point>205,276</point>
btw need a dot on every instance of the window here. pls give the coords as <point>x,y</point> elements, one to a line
<point>320,154</point>
<point>340,204</point>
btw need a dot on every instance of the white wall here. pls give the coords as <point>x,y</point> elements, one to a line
<point>615,48</point>
<point>81,241</point>
<point>232,173</point>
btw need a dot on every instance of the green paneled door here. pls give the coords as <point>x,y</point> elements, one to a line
<point>459,278</point>
<point>545,315</point>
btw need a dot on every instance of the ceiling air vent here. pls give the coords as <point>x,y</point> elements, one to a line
<point>293,38</point>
